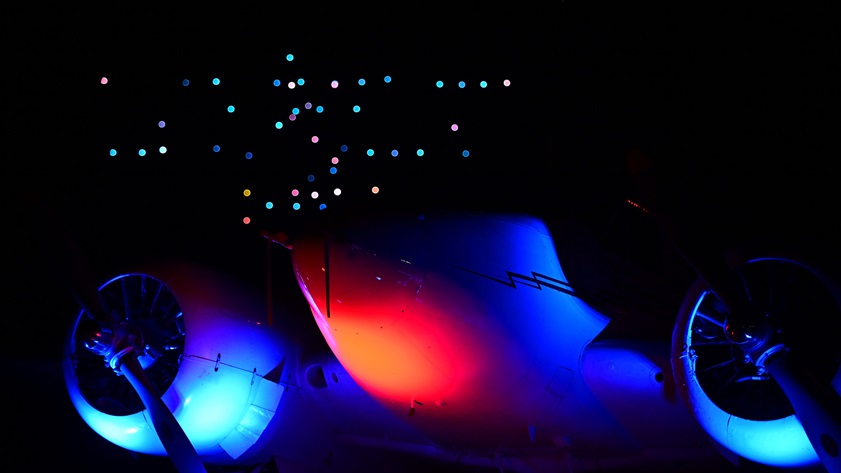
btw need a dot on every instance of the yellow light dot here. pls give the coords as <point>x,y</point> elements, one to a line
<point>246,192</point>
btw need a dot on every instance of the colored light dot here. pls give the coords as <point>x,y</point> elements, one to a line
<point>319,109</point>
<point>292,117</point>
<point>454,127</point>
<point>461,84</point>
<point>161,124</point>
<point>361,81</point>
<point>216,148</point>
<point>506,82</point>
<point>215,81</point>
<point>103,81</point>
<point>333,170</point>
<point>294,192</point>
<point>314,139</point>
<point>141,152</point>
<point>439,84</point>
<point>322,206</point>
<point>310,178</point>
<point>185,82</point>
<point>314,195</point>
<point>162,149</point>
<point>230,109</point>
<point>290,57</point>
<point>113,152</point>
<point>248,155</point>
<point>465,153</point>
<point>420,152</point>
<point>343,148</point>
<point>296,110</point>
<point>337,191</point>
<point>375,190</point>
<point>387,79</point>
<point>483,84</point>
<point>246,220</point>
<point>246,192</point>
<point>356,108</point>
<point>269,205</point>
<point>307,105</point>
<point>276,82</point>
<point>370,152</point>
<point>300,81</point>
<point>335,160</point>
<point>291,85</point>
<point>296,206</point>
<point>394,152</point>
<point>278,125</point>
<point>334,84</point>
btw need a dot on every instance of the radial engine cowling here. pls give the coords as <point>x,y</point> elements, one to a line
<point>208,349</point>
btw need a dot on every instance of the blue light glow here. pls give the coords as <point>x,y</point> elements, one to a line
<point>420,152</point>
<point>113,152</point>
<point>231,109</point>
<point>142,152</point>
<point>276,82</point>
<point>461,84</point>
<point>161,124</point>
<point>248,155</point>
<point>439,84</point>
<point>216,148</point>
<point>465,153</point>
<point>322,206</point>
<point>290,57</point>
<point>162,149</point>
<point>333,170</point>
<point>269,205</point>
<point>310,178</point>
<point>394,152</point>
<point>301,81</point>
<point>387,79</point>
<point>356,108</point>
<point>361,81</point>
<point>278,125</point>
<point>185,82</point>
<point>296,206</point>
<point>483,84</point>
<point>370,152</point>
<point>215,81</point>
<point>296,111</point>
<point>343,148</point>
<point>319,109</point>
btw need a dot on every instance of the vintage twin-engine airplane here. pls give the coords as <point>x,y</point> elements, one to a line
<point>456,340</point>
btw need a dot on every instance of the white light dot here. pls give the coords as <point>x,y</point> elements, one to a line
<point>314,194</point>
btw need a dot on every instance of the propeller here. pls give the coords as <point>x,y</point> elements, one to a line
<point>105,334</point>
<point>816,405</point>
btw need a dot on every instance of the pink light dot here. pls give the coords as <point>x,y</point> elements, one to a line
<point>454,127</point>
<point>314,195</point>
<point>246,220</point>
<point>291,85</point>
<point>506,82</point>
<point>103,81</point>
<point>315,139</point>
<point>334,84</point>
<point>375,190</point>
<point>292,117</point>
<point>294,192</point>
<point>335,160</point>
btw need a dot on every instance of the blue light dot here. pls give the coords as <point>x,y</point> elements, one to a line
<point>278,125</point>
<point>162,149</point>
<point>333,170</point>
<point>370,152</point>
<point>319,109</point>
<point>394,152</point>
<point>361,81</point>
<point>356,108</point>
<point>465,153</point>
<point>276,82</point>
<point>420,152</point>
<point>439,84</point>
<point>296,111</point>
<point>322,206</point>
<point>296,206</point>
<point>290,57</point>
<point>461,84</point>
<point>269,205</point>
<point>216,148</point>
<point>185,82</point>
<point>343,148</point>
<point>231,109</point>
<point>248,155</point>
<point>142,152</point>
<point>113,152</point>
<point>483,84</point>
<point>387,79</point>
<point>310,178</point>
<point>301,81</point>
<point>215,81</point>
<point>161,124</point>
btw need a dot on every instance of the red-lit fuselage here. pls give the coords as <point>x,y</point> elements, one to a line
<point>465,326</point>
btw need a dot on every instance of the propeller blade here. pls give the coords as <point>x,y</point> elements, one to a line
<point>172,436</point>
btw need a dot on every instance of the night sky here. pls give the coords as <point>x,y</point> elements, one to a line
<point>737,108</point>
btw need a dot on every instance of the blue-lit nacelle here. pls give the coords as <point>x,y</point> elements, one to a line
<point>209,351</point>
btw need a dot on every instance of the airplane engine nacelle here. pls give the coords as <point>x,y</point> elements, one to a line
<point>208,349</point>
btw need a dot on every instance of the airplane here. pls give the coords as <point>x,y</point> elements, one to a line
<point>459,340</point>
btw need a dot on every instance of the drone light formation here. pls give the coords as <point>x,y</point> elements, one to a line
<point>369,106</point>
